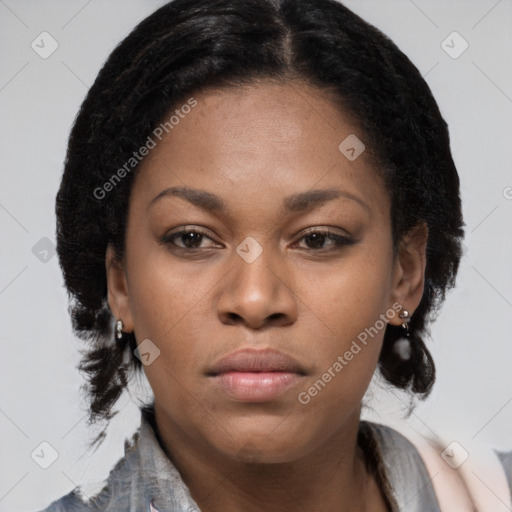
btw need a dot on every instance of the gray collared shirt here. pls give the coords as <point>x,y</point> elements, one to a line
<point>145,480</point>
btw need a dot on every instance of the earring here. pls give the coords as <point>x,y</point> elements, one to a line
<point>405,324</point>
<point>119,330</point>
<point>402,346</point>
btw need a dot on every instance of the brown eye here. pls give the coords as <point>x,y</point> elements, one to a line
<point>316,240</point>
<point>186,239</point>
<point>190,239</point>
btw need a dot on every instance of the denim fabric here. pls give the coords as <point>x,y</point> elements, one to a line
<point>506,461</point>
<point>145,480</point>
<point>404,470</point>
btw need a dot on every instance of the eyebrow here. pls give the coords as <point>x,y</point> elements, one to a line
<point>299,202</point>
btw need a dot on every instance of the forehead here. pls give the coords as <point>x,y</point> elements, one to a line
<point>264,140</point>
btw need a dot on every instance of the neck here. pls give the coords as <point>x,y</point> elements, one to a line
<point>331,478</point>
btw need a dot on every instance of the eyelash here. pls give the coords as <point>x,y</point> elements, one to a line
<point>340,241</point>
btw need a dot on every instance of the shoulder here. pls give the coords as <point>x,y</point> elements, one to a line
<point>72,502</point>
<point>144,479</point>
<point>402,467</point>
<point>506,461</point>
<point>459,476</point>
<point>115,493</point>
<point>387,436</point>
<point>395,447</point>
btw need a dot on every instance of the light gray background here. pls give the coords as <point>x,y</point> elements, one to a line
<point>39,99</point>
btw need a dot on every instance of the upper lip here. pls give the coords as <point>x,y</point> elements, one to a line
<point>256,360</point>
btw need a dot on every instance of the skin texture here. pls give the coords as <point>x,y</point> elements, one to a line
<point>254,146</point>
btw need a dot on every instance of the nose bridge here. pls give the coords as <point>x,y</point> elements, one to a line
<point>254,270</point>
<point>257,287</point>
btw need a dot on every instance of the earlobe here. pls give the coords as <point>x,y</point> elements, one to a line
<point>409,277</point>
<point>118,296</point>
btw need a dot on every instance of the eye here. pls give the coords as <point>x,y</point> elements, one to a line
<point>190,239</point>
<point>315,240</point>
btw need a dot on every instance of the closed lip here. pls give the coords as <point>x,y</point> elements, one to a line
<point>256,360</point>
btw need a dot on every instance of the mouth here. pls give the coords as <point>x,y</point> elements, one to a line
<point>252,375</point>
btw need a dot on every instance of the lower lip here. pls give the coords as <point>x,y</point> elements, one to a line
<point>256,386</point>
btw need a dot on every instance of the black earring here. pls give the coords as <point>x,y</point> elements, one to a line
<point>402,346</point>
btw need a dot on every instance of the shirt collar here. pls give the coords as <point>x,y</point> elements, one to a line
<point>156,485</point>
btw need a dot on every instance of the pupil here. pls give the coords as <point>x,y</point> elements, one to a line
<point>190,238</point>
<point>317,240</point>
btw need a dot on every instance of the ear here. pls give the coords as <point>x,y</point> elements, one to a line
<point>118,297</point>
<point>409,270</point>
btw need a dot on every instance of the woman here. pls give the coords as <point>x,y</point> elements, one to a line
<point>259,210</point>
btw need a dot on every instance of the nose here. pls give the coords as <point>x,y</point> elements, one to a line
<point>258,293</point>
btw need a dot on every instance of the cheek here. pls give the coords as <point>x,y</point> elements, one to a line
<point>164,293</point>
<point>345,312</point>
<point>349,297</point>
<point>169,304</point>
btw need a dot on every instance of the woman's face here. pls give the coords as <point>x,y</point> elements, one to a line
<point>257,174</point>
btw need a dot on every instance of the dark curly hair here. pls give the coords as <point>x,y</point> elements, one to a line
<point>187,46</point>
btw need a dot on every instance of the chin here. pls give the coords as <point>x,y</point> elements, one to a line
<point>264,442</point>
<point>261,453</point>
